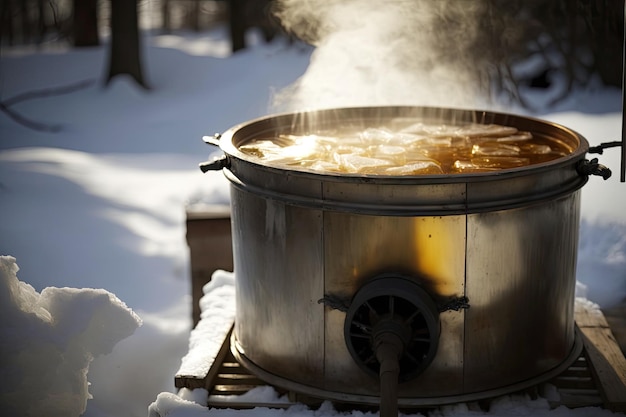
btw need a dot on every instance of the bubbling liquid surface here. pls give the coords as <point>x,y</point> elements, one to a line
<point>418,149</point>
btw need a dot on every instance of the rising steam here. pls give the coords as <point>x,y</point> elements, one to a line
<point>401,52</point>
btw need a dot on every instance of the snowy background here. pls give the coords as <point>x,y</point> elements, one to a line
<point>101,203</point>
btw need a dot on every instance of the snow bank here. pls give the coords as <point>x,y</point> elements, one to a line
<point>49,340</point>
<point>217,317</point>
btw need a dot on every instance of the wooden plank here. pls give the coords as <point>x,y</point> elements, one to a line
<point>233,368</point>
<point>189,382</point>
<point>608,365</point>
<point>573,382</point>
<point>224,351</point>
<point>577,399</point>
<point>589,315</point>
<point>233,389</point>
<point>575,371</point>
<point>242,379</point>
<point>205,381</point>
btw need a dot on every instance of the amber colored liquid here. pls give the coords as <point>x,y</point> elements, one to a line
<point>418,149</point>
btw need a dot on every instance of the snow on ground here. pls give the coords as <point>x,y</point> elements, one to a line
<point>101,204</point>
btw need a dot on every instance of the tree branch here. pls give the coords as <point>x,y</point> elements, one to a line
<point>47,92</point>
<point>5,106</point>
<point>27,122</point>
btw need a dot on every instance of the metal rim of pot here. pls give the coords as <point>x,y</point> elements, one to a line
<point>230,140</point>
<point>518,186</point>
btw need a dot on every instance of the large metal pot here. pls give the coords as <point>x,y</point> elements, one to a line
<point>474,272</point>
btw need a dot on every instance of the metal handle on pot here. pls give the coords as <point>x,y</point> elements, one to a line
<point>218,162</point>
<point>212,140</point>
<point>602,170</point>
<point>592,167</point>
<point>215,164</point>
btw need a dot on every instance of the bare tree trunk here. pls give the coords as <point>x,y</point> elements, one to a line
<point>237,25</point>
<point>85,23</point>
<point>25,21</point>
<point>196,16</point>
<point>124,51</point>
<point>246,14</point>
<point>41,21</point>
<point>6,21</point>
<point>165,14</point>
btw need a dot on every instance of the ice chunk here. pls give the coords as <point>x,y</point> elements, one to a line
<point>496,149</point>
<point>376,135</point>
<point>325,166</point>
<point>373,137</point>
<point>301,149</point>
<point>260,148</point>
<point>344,149</point>
<point>395,154</point>
<point>491,130</point>
<point>440,130</point>
<point>488,163</point>
<point>424,167</point>
<point>406,139</point>
<point>518,137</point>
<point>500,162</point>
<point>440,142</point>
<point>389,150</point>
<point>536,149</point>
<point>469,166</point>
<point>359,164</point>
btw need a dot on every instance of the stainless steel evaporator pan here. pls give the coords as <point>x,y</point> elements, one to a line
<point>469,277</point>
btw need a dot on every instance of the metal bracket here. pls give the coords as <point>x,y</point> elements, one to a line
<point>601,147</point>
<point>455,303</point>
<point>335,302</point>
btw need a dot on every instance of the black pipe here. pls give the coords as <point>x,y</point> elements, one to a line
<point>389,349</point>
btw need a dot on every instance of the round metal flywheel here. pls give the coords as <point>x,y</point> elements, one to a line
<point>393,304</point>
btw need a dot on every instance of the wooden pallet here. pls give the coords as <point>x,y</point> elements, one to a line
<point>596,379</point>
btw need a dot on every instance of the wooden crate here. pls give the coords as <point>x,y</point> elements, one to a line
<point>210,247</point>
